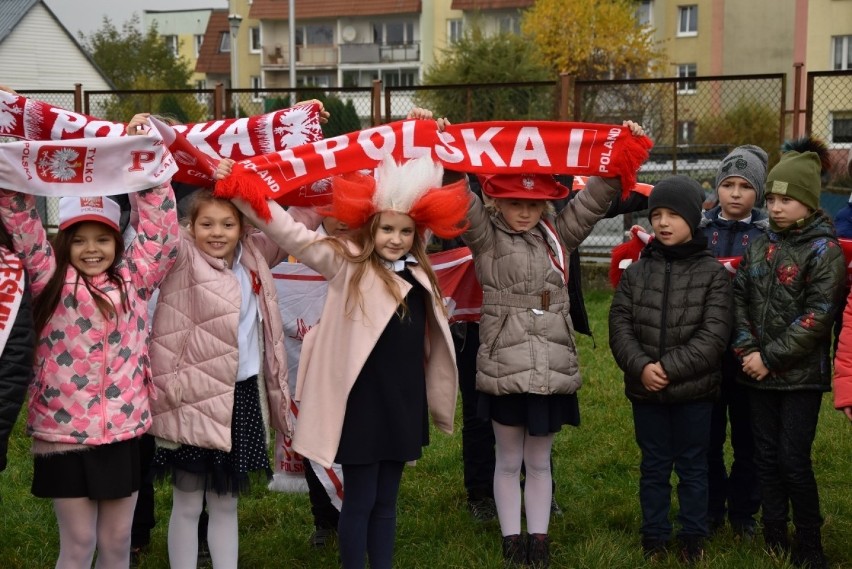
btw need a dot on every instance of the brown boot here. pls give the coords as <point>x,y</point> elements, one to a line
<point>538,551</point>
<point>514,551</point>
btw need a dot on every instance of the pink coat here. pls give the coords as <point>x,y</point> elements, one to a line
<point>334,351</point>
<point>92,377</point>
<point>843,362</point>
<point>194,347</point>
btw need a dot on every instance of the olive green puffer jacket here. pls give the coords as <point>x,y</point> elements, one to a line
<point>786,292</point>
<point>676,312</point>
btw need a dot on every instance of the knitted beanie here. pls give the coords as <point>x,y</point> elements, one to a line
<point>680,194</point>
<point>797,175</point>
<point>748,162</point>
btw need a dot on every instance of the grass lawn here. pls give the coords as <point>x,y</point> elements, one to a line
<point>597,475</point>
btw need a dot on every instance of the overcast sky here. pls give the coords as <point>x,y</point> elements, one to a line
<point>86,15</point>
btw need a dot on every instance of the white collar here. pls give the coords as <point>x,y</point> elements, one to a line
<point>743,220</point>
<point>399,264</point>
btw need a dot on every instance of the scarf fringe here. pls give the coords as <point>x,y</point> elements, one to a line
<point>240,185</point>
<point>633,152</point>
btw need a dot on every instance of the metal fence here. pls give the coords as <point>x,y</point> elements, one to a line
<point>694,121</point>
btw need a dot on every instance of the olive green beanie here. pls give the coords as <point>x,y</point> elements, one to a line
<point>797,175</point>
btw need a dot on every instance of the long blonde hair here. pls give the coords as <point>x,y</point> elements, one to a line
<point>367,258</point>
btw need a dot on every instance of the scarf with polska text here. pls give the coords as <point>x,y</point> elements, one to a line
<point>12,282</point>
<point>501,147</point>
<point>238,139</point>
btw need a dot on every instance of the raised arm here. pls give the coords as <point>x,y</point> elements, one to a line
<point>31,244</point>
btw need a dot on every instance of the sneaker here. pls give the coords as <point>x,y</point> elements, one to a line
<point>691,549</point>
<point>322,537</point>
<point>538,551</point>
<point>555,510</point>
<point>744,531</point>
<point>482,509</point>
<point>514,551</point>
<point>654,548</point>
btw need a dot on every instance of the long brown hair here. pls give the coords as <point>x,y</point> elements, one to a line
<point>52,293</point>
<point>364,239</point>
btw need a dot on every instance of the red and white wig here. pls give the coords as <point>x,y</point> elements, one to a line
<point>413,188</point>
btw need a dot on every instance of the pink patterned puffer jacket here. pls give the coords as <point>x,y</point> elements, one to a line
<point>92,375</point>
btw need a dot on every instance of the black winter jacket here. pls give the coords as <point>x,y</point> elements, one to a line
<point>787,290</point>
<point>16,370</point>
<point>676,312</point>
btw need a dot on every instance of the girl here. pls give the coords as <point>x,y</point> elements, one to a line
<point>786,292</point>
<point>527,360</point>
<point>382,353</point>
<point>88,403</point>
<point>217,353</point>
<point>17,338</point>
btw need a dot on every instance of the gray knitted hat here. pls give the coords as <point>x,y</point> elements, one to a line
<point>749,162</point>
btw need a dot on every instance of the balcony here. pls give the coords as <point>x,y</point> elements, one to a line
<point>306,56</point>
<point>378,53</point>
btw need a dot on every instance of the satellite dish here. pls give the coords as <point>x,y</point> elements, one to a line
<point>348,33</point>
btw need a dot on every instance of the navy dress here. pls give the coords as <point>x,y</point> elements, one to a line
<point>386,413</point>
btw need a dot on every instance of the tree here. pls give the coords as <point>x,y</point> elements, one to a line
<point>476,58</point>
<point>747,122</point>
<point>133,60</point>
<point>591,39</point>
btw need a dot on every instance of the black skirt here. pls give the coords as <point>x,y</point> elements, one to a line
<point>541,414</point>
<point>103,472</point>
<point>217,470</point>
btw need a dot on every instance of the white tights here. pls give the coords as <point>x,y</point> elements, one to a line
<point>222,529</point>
<point>514,446</point>
<point>86,525</point>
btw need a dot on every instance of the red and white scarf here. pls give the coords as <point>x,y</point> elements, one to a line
<point>505,147</point>
<point>239,139</point>
<point>12,283</point>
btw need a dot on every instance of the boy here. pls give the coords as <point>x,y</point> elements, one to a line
<point>669,324</point>
<point>729,228</point>
<point>786,292</point>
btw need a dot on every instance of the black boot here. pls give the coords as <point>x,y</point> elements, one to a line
<point>514,551</point>
<point>776,539</point>
<point>538,551</point>
<point>808,550</point>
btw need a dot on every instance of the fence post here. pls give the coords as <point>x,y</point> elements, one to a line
<point>218,99</point>
<point>566,87</point>
<point>78,98</point>
<point>797,97</point>
<point>376,95</point>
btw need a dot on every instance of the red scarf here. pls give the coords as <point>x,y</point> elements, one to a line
<point>11,293</point>
<point>508,147</point>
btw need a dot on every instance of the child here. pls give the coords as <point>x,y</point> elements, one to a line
<point>17,338</point>
<point>527,371</point>
<point>730,227</point>
<point>786,291</point>
<point>669,324</point>
<point>88,403</point>
<point>219,369</point>
<point>382,355</point>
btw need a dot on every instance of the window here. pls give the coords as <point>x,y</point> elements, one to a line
<point>322,81</point>
<point>842,52</point>
<point>645,13</point>
<point>455,30</point>
<point>359,77</point>
<point>198,40</point>
<point>254,39</point>
<point>397,32</point>
<point>687,20</point>
<point>686,70</point>
<point>172,43</point>
<point>399,78</point>
<point>510,25</point>
<point>200,85</point>
<point>685,132</point>
<point>841,127</point>
<point>254,82</point>
<point>225,42</point>
<point>314,35</point>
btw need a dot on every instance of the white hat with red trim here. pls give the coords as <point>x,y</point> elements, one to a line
<point>74,210</point>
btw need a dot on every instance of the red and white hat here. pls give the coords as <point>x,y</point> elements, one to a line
<point>522,186</point>
<point>74,210</point>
